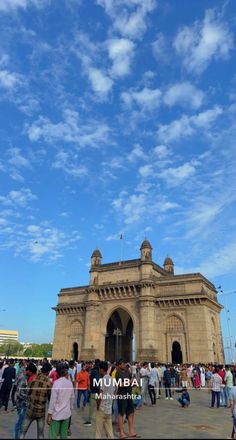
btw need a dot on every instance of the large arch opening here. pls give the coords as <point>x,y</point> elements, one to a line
<point>119,336</point>
<point>177,357</point>
<point>75,351</point>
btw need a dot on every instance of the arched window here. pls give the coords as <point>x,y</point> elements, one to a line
<point>213,327</point>
<point>174,324</point>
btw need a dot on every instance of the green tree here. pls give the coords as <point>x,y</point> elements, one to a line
<point>39,350</point>
<point>11,348</point>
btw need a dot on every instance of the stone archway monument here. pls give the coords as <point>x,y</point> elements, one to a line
<point>119,336</point>
<point>137,309</point>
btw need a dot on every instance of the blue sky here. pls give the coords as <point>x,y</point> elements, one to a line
<point>116,116</point>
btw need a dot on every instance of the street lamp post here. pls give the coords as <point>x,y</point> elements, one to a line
<point>117,332</point>
<point>228,319</point>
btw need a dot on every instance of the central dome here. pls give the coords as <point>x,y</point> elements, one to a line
<point>96,253</point>
<point>146,245</point>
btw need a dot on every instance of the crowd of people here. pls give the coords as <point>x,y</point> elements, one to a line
<point>42,390</point>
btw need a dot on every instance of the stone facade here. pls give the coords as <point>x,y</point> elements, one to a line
<point>140,311</point>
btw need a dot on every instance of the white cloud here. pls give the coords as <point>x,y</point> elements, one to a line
<point>121,53</point>
<point>205,119</point>
<point>45,242</point>
<point>9,5</point>
<point>17,159</point>
<point>160,48</point>
<point>136,154</point>
<point>161,151</point>
<point>175,175</point>
<point>12,5</point>
<point>131,24</point>
<point>185,94</point>
<point>146,171</point>
<point>203,42</point>
<point>187,125</point>
<point>18,198</point>
<point>67,162</point>
<point>71,129</point>
<point>101,83</point>
<point>141,206</point>
<point>221,262</point>
<point>166,206</point>
<point>8,79</point>
<point>133,208</point>
<point>115,163</point>
<point>114,237</point>
<point>89,53</point>
<point>147,99</point>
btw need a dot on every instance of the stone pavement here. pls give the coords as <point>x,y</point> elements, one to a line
<point>166,420</point>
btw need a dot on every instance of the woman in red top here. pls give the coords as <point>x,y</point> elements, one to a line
<point>196,380</point>
<point>83,382</point>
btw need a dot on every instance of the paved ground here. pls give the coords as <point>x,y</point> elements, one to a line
<point>166,420</point>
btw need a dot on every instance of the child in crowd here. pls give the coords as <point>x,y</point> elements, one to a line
<point>184,400</point>
<point>137,397</point>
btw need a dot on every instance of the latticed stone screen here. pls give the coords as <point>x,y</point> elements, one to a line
<point>174,324</point>
<point>76,328</point>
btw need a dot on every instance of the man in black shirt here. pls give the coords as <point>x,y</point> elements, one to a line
<point>9,375</point>
<point>94,390</point>
<point>125,402</point>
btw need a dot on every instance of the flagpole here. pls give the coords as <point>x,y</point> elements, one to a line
<point>121,246</point>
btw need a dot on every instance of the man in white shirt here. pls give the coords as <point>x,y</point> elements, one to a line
<point>159,369</point>
<point>61,404</point>
<point>229,383</point>
<point>104,404</point>
<point>144,376</point>
<point>153,385</point>
<point>216,382</point>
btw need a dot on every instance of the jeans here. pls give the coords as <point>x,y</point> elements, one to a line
<point>168,390</point>
<point>160,386</point>
<point>115,411</point>
<point>227,391</point>
<point>27,422</point>
<point>138,401</point>
<point>83,393</point>
<point>183,402</point>
<point>13,392</point>
<point>172,382</point>
<point>215,395</point>
<point>152,394</point>
<point>21,415</point>
<point>144,390</point>
<point>223,397</point>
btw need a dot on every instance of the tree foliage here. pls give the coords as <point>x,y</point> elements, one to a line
<point>39,350</point>
<point>11,348</point>
<point>14,348</point>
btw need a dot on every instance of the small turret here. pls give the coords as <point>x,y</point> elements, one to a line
<point>169,265</point>
<point>146,251</point>
<point>96,258</point>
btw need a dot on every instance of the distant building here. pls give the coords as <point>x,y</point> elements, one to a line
<point>8,335</point>
<point>138,310</point>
